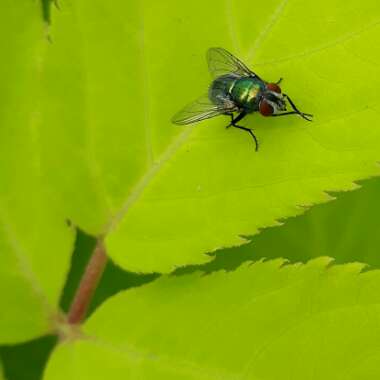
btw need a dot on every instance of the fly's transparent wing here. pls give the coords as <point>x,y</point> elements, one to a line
<point>202,109</point>
<point>221,62</point>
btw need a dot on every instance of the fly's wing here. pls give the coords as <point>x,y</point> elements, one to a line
<point>202,109</point>
<point>221,62</point>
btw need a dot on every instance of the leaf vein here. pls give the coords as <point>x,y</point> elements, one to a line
<point>273,20</point>
<point>146,179</point>
<point>336,42</point>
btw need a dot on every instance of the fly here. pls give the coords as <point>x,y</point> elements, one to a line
<point>236,89</point>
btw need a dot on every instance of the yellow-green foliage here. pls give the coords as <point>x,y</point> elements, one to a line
<point>86,141</point>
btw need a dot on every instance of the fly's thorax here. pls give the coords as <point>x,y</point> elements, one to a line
<point>246,93</point>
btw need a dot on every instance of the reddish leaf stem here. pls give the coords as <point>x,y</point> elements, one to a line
<point>88,285</point>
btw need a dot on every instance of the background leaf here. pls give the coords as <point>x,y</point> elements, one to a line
<point>349,222</point>
<point>346,229</point>
<point>164,196</point>
<point>1,372</point>
<point>35,241</point>
<point>263,321</point>
<point>33,355</point>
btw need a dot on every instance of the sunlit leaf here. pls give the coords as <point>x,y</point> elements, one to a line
<point>35,241</point>
<point>346,229</point>
<point>164,195</point>
<point>263,321</point>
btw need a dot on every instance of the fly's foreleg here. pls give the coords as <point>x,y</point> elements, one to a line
<point>239,117</point>
<point>305,116</point>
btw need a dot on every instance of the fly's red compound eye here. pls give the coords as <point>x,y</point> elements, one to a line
<point>265,108</point>
<point>274,87</point>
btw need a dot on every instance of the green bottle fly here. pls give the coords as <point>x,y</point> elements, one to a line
<point>236,88</point>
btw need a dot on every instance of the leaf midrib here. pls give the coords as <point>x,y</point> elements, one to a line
<point>146,179</point>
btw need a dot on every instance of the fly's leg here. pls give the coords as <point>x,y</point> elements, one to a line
<point>296,110</point>
<point>304,115</point>
<point>241,115</point>
<point>251,133</point>
<point>238,118</point>
<point>232,119</point>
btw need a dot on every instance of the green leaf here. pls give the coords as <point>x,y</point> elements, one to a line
<point>1,372</point>
<point>35,241</point>
<point>32,354</point>
<point>263,321</point>
<point>164,195</point>
<point>346,229</point>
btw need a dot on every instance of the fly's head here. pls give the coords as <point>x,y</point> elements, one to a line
<point>272,100</point>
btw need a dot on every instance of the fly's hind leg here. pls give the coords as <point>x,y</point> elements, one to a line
<point>251,133</point>
<point>239,117</point>
<point>232,119</point>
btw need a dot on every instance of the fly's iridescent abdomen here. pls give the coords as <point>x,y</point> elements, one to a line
<point>220,89</point>
<point>244,92</point>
